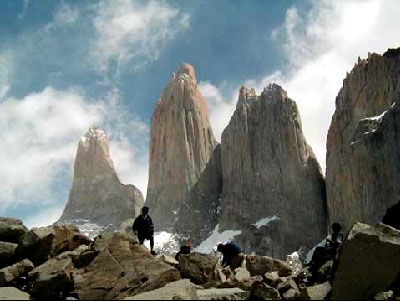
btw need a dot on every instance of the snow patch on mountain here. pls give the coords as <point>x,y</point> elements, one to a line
<point>265,221</point>
<point>208,245</point>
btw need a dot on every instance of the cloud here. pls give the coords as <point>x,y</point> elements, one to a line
<point>130,33</point>
<point>321,45</point>
<point>44,218</point>
<point>5,72</point>
<point>25,6</point>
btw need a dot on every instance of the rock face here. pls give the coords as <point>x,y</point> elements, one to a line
<point>368,263</point>
<point>97,194</point>
<point>181,147</point>
<point>273,187</point>
<point>363,145</point>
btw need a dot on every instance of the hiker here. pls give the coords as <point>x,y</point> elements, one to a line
<point>185,249</point>
<point>143,227</point>
<point>325,253</point>
<point>232,255</point>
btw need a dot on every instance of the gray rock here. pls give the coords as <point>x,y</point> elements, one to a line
<point>268,169</point>
<point>286,285</point>
<point>181,146</point>
<point>363,149</point>
<point>18,269</point>
<point>223,294</point>
<point>7,250</point>
<point>178,290</point>
<point>12,293</point>
<point>259,265</point>
<point>11,229</point>
<point>199,268</point>
<point>272,279</point>
<point>316,292</point>
<point>262,291</point>
<point>97,194</point>
<point>384,296</point>
<point>242,274</point>
<point>368,262</point>
<point>290,294</point>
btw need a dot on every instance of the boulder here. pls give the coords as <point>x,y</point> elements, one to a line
<point>262,291</point>
<point>259,265</point>
<point>287,284</point>
<point>67,238</point>
<point>12,293</point>
<point>272,279</point>
<point>199,268</point>
<point>14,271</point>
<point>368,262</point>
<point>384,296</point>
<point>234,293</point>
<point>7,250</point>
<point>168,259</point>
<point>11,229</point>
<point>122,268</point>
<point>242,274</point>
<point>316,292</point>
<point>290,294</point>
<point>178,290</point>
<point>36,245</point>
<point>52,278</point>
<point>247,284</point>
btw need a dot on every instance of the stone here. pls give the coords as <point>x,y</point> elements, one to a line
<point>122,268</point>
<point>7,250</point>
<point>262,291</point>
<point>325,271</point>
<point>67,238</point>
<point>273,171</point>
<point>368,262</point>
<point>178,290</point>
<point>248,283</point>
<point>363,149</point>
<point>14,271</point>
<point>52,277</point>
<point>36,245</point>
<point>222,294</point>
<point>316,292</point>
<point>242,274</point>
<point>199,268</point>
<point>259,265</point>
<point>181,147</point>
<point>168,259</point>
<point>12,293</point>
<point>287,284</point>
<point>290,294</point>
<point>84,258</point>
<point>272,279</point>
<point>97,194</point>
<point>384,296</point>
<point>11,229</point>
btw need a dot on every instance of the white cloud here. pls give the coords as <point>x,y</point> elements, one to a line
<point>129,32</point>
<point>44,218</point>
<point>65,15</point>
<point>321,47</point>
<point>5,72</point>
<point>40,135</point>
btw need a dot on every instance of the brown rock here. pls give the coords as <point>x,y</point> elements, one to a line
<point>11,229</point>
<point>273,171</point>
<point>52,277</point>
<point>181,146</point>
<point>316,292</point>
<point>363,149</point>
<point>272,279</point>
<point>97,194</point>
<point>262,291</point>
<point>14,271</point>
<point>234,293</point>
<point>287,284</point>
<point>121,269</point>
<point>67,238</point>
<point>12,293</point>
<point>368,262</point>
<point>259,265</point>
<point>199,268</point>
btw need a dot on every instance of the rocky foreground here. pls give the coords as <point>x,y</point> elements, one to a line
<point>60,263</point>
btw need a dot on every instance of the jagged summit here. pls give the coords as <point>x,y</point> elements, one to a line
<point>272,92</point>
<point>97,195</point>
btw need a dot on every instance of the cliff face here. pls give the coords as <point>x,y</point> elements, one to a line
<point>363,150</point>
<point>97,194</point>
<point>273,188</point>
<point>181,145</point>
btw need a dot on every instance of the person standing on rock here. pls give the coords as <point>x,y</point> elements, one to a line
<point>232,255</point>
<point>143,227</point>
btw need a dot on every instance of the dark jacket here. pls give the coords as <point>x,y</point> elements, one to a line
<point>229,251</point>
<point>144,226</point>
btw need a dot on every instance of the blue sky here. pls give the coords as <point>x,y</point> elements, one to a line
<point>67,64</point>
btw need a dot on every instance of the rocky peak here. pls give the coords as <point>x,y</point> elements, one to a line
<point>181,144</point>
<point>97,195</point>
<point>363,152</point>
<point>273,188</point>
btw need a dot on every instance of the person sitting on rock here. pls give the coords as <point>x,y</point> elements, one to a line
<point>185,249</point>
<point>143,227</point>
<point>232,255</point>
